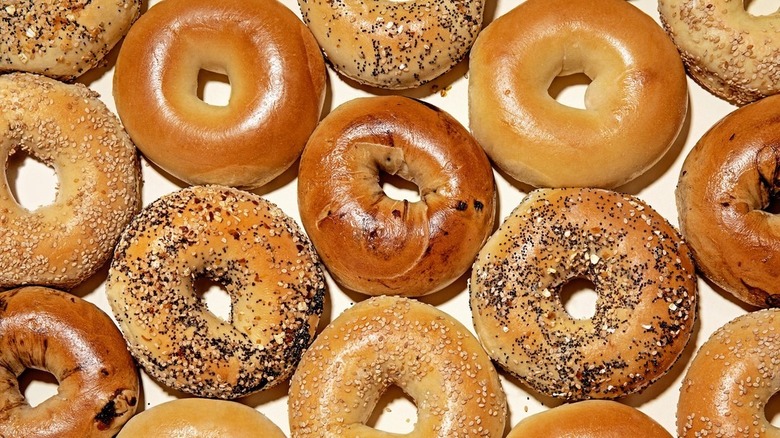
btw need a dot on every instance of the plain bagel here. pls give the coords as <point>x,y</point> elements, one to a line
<point>634,107</point>
<point>277,80</point>
<point>199,418</point>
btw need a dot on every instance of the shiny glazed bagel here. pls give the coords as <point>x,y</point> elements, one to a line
<point>381,246</point>
<point>731,379</point>
<point>61,39</point>
<point>729,52</point>
<point>393,44</point>
<point>386,341</point>
<point>76,342</point>
<point>257,253</point>
<point>69,129</point>
<point>589,419</point>
<point>726,188</point>
<point>199,418</point>
<point>639,266</point>
<point>277,79</point>
<point>634,106</point>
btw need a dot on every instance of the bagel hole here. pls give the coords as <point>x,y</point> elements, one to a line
<point>394,412</point>
<point>570,90</point>
<point>579,298</point>
<point>772,410</point>
<point>213,88</point>
<point>33,184</point>
<point>37,386</point>
<point>398,188</point>
<point>214,296</point>
<point>774,205</point>
<point>759,8</point>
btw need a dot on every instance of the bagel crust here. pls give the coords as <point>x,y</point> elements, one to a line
<point>61,39</point>
<point>384,341</point>
<point>377,245</point>
<point>393,44</point>
<point>639,266</point>
<point>81,347</point>
<point>199,418</point>
<point>730,53</point>
<point>589,419</point>
<point>635,105</point>
<point>69,129</point>
<point>249,246</point>
<point>731,379</point>
<point>277,79</point>
<point>727,183</point>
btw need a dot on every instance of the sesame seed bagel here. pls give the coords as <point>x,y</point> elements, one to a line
<point>638,265</point>
<point>731,378</point>
<point>589,419</point>
<point>199,418</point>
<point>265,264</point>
<point>61,39</point>
<point>377,245</point>
<point>729,52</point>
<point>393,44</point>
<point>69,129</point>
<point>725,193</point>
<point>80,346</point>
<point>277,89</point>
<point>386,341</point>
<point>634,109</point>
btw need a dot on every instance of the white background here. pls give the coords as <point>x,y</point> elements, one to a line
<point>35,184</point>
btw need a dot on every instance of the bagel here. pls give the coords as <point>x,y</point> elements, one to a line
<point>257,253</point>
<point>393,340</point>
<point>99,184</point>
<point>76,342</point>
<point>62,39</point>
<point>393,44</point>
<point>589,419</point>
<point>277,79</point>
<point>198,417</point>
<point>377,245</point>
<point>639,266</point>
<point>727,182</point>
<point>731,378</point>
<point>634,107</point>
<point>726,50</point>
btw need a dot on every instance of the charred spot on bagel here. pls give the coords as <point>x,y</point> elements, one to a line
<point>106,416</point>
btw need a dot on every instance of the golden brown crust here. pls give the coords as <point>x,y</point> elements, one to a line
<point>735,372</point>
<point>197,418</point>
<point>635,104</point>
<point>76,342</point>
<point>394,44</point>
<point>386,341</point>
<point>590,419</point>
<point>730,53</point>
<point>639,266</point>
<point>727,181</point>
<point>69,129</point>
<point>260,257</point>
<point>61,39</point>
<point>277,77</point>
<point>377,245</point>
